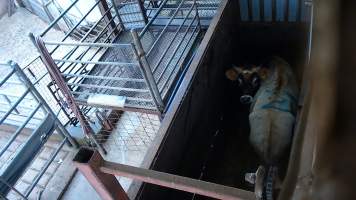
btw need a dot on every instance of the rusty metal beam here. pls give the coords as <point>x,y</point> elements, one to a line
<point>176,182</point>
<point>108,187</point>
<point>101,175</point>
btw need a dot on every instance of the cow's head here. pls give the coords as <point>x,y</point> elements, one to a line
<point>248,79</point>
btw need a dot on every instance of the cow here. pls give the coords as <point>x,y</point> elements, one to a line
<point>271,91</point>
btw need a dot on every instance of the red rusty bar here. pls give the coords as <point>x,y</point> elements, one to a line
<point>177,182</point>
<point>107,186</point>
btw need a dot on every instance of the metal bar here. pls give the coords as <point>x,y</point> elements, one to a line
<point>35,93</point>
<point>176,182</point>
<point>58,18</point>
<point>95,62</point>
<point>94,93</point>
<point>7,77</point>
<point>12,188</point>
<point>103,7</point>
<point>142,11</point>
<point>146,71</point>
<point>44,168</point>
<point>105,77</point>
<point>14,106</point>
<point>173,38</point>
<point>117,14</point>
<point>152,19</point>
<point>165,27</point>
<point>108,87</point>
<point>107,186</point>
<point>175,51</point>
<point>9,102</point>
<point>87,44</point>
<point>166,82</point>
<point>18,130</point>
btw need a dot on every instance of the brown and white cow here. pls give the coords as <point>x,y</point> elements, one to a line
<point>272,93</point>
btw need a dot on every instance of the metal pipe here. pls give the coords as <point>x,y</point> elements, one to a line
<point>146,71</point>
<point>107,186</point>
<point>111,78</point>
<point>165,27</point>
<point>95,62</point>
<point>14,106</point>
<point>44,168</point>
<point>176,182</point>
<point>152,19</point>
<point>117,14</point>
<point>7,77</point>
<point>12,188</point>
<point>18,130</point>
<point>58,18</point>
<point>108,87</point>
<point>176,49</point>
<point>88,44</point>
<point>142,11</point>
<point>166,82</point>
<point>172,39</point>
<point>37,95</point>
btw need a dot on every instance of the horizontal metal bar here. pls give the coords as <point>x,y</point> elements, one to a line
<point>14,106</point>
<point>44,168</point>
<point>177,182</point>
<point>95,93</point>
<point>128,107</point>
<point>111,78</point>
<point>95,62</point>
<point>18,131</point>
<point>87,44</point>
<point>58,18</point>
<point>108,87</point>
<point>7,77</point>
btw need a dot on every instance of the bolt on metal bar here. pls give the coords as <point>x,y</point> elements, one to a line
<point>7,77</point>
<point>14,106</point>
<point>111,78</point>
<point>146,71</point>
<point>37,95</point>
<point>108,87</point>
<point>165,27</point>
<point>18,130</point>
<point>143,31</point>
<point>176,49</point>
<point>172,40</point>
<point>58,18</point>
<point>96,62</point>
<point>44,168</point>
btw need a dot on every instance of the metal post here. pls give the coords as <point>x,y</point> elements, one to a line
<point>103,7</point>
<point>118,14</point>
<point>146,71</point>
<point>108,187</point>
<point>34,91</point>
<point>142,10</point>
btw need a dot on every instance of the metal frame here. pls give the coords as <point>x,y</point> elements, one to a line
<point>14,168</point>
<point>90,162</point>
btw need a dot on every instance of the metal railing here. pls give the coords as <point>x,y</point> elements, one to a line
<point>23,144</point>
<point>141,68</point>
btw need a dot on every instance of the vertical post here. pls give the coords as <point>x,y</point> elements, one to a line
<point>146,71</point>
<point>118,14</point>
<point>143,11</point>
<point>103,7</point>
<point>107,186</point>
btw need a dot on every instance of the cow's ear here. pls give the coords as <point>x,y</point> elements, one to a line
<point>232,73</point>
<point>262,72</point>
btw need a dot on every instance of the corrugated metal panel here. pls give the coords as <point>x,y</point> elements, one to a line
<point>274,10</point>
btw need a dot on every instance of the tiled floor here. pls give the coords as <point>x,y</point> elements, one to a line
<point>24,183</point>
